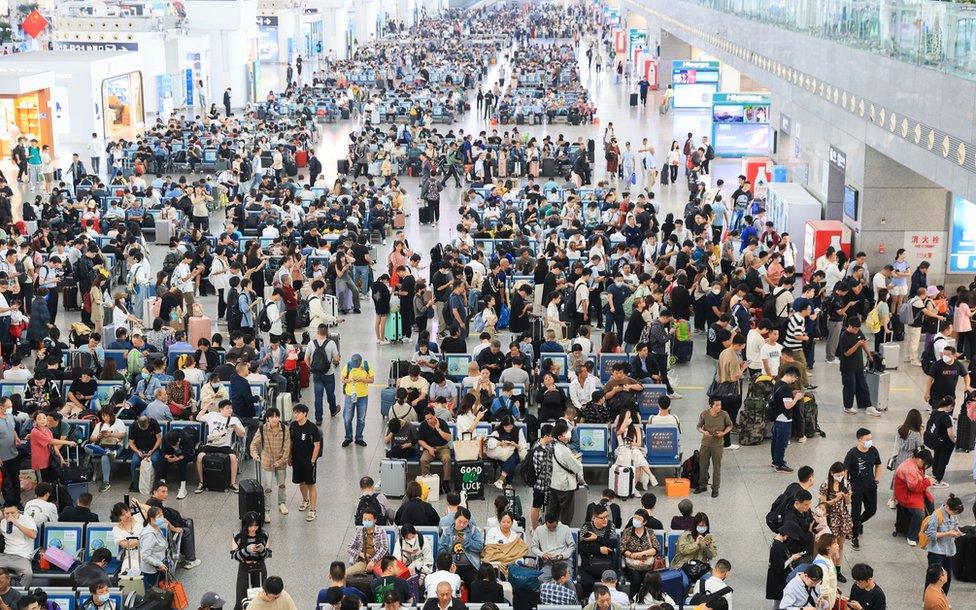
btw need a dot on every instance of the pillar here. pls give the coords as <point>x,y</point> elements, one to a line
<point>672,48</point>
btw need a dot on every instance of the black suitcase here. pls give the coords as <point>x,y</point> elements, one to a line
<point>216,471</point>
<point>155,599</point>
<point>897,329</point>
<point>965,431</point>
<point>345,113</point>
<point>342,166</point>
<point>633,99</point>
<point>548,167</point>
<point>426,216</point>
<point>590,150</point>
<point>683,350</point>
<point>964,561</point>
<point>71,302</point>
<point>250,497</point>
<point>903,521</point>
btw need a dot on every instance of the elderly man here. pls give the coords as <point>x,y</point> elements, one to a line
<point>445,599</point>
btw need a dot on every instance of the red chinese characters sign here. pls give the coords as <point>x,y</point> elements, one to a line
<point>34,24</point>
<point>929,246</point>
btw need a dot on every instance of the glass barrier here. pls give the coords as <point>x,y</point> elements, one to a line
<point>936,34</point>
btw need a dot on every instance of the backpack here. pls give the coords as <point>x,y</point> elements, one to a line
<point>691,470</point>
<point>233,308</point>
<point>928,357</point>
<point>372,504</point>
<point>264,322</point>
<point>905,313</point>
<point>171,261</point>
<point>923,539</point>
<point>320,359</point>
<point>183,361</point>
<point>774,518</point>
<point>304,317</point>
<point>929,437</point>
<point>769,305</point>
<point>873,321</point>
<point>527,468</point>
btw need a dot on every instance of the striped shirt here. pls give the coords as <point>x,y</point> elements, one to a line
<point>795,327</point>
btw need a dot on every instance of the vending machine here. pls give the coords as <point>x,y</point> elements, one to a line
<point>820,234</point>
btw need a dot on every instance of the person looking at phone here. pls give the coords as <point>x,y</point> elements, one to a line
<point>249,548</point>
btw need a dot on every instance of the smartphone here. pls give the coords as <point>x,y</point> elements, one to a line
<point>125,499</point>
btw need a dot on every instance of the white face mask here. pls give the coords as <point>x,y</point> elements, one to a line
<point>716,290</point>
<point>947,359</point>
<point>838,477</point>
<point>868,444</point>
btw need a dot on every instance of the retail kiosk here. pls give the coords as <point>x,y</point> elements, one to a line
<point>25,107</point>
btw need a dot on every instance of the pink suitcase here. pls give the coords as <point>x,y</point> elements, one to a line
<point>150,310</point>
<point>200,328</point>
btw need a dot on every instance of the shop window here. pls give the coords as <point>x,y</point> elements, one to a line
<point>123,106</point>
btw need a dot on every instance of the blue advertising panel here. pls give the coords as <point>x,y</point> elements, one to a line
<point>740,124</point>
<point>694,82</point>
<point>636,37</point>
<point>962,240</point>
<point>268,49</point>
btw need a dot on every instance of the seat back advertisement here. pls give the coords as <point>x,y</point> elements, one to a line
<point>694,83</point>
<point>740,124</point>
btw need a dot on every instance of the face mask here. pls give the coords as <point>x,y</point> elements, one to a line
<point>101,598</point>
<point>637,523</point>
<point>868,444</point>
<point>701,529</point>
<point>367,523</point>
<point>947,359</point>
<point>410,541</point>
<point>160,521</point>
<point>838,477</point>
<point>716,290</point>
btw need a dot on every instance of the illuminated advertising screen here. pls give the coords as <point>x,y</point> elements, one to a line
<point>962,239</point>
<point>694,82</point>
<point>122,100</point>
<point>740,124</point>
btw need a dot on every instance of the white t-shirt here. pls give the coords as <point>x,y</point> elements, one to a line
<point>16,542</point>
<point>195,376</point>
<point>665,420</point>
<point>220,429</point>
<point>877,283</point>
<point>41,511</point>
<point>130,563</point>
<point>180,273</point>
<point>771,353</point>
<point>754,343</point>
<point>582,295</point>
<point>435,578</point>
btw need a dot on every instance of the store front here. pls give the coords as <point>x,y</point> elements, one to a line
<point>25,108</point>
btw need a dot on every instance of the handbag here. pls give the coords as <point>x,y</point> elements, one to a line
<point>180,598</point>
<point>695,569</point>
<point>59,557</point>
<point>467,450</point>
<point>724,389</point>
<point>523,578</point>
<point>890,465</point>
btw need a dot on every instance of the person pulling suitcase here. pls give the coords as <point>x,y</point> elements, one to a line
<point>271,449</point>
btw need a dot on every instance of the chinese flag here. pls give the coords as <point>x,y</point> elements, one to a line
<point>34,24</point>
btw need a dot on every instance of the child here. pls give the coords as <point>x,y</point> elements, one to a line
<point>272,445</point>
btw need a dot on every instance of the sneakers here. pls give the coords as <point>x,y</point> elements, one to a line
<point>855,544</point>
<point>361,443</point>
<point>282,509</point>
<point>714,493</point>
<point>199,489</point>
<point>189,565</point>
<point>873,412</point>
<point>912,543</point>
<point>267,516</point>
<point>105,487</point>
<point>733,447</point>
<point>802,439</point>
<point>892,504</point>
<point>310,516</point>
<point>347,442</point>
<point>182,493</point>
<point>500,483</point>
<point>675,396</point>
<point>303,506</point>
<point>850,411</point>
<point>784,469</point>
<point>233,487</point>
<point>700,490</point>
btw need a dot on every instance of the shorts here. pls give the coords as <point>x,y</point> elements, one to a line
<point>538,498</point>
<point>303,473</point>
<point>213,449</point>
<point>899,291</point>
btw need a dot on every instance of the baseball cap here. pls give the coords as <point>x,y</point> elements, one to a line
<point>211,600</point>
<point>609,575</point>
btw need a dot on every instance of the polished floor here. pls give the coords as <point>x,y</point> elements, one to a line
<point>303,551</point>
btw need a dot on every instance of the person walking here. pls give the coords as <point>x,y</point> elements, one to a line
<point>851,350</point>
<point>943,376</point>
<point>306,447</point>
<point>249,547</point>
<point>713,424</point>
<point>322,357</point>
<point>356,377</point>
<point>783,401</point>
<point>940,437</point>
<point>863,463</point>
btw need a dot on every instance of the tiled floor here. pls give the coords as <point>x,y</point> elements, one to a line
<point>303,551</point>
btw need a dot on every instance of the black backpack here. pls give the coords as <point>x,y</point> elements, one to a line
<point>320,359</point>
<point>769,305</point>
<point>691,470</point>
<point>928,357</point>
<point>233,308</point>
<point>171,261</point>
<point>264,323</point>
<point>372,504</point>
<point>304,316</point>
<point>527,468</point>
<point>774,518</point>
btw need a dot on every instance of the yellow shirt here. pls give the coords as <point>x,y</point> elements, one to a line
<point>356,381</point>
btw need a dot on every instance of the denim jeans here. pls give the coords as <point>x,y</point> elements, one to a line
<point>855,383</point>
<point>323,383</point>
<point>360,276</point>
<point>781,440</point>
<point>510,465</point>
<point>104,457</point>
<point>359,406</point>
<point>615,319</point>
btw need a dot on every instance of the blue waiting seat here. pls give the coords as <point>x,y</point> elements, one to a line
<point>672,545</point>
<point>594,442</point>
<point>65,597</point>
<point>647,402</point>
<point>65,536</point>
<point>99,536</point>
<point>605,363</point>
<point>663,447</point>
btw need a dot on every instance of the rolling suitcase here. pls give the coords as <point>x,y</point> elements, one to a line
<point>330,304</point>
<point>387,398</point>
<point>879,388</point>
<point>284,404</point>
<point>70,299</point>
<point>216,471</point>
<point>150,310</point>
<point>200,328</point>
<point>672,583</point>
<point>891,355</point>
<point>965,431</point>
<point>549,167</point>
<point>964,561</point>
<point>393,477</point>
<point>579,507</point>
<point>342,166</point>
<point>633,99</point>
<point>301,158</point>
<point>164,231</point>
<point>621,480</point>
<point>250,498</point>
<point>304,374</point>
<point>903,521</point>
<point>394,327</point>
<point>425,214</point>
<point>683,351</point>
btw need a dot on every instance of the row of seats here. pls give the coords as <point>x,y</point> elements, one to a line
<point>68,598</point>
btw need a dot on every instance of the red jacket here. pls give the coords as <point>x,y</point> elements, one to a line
<point>911,485</point>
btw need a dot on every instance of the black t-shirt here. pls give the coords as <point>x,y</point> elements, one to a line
<point>753,280</point>
<point>454,345</point>
<point>945,377</point>
<point>869,600</point>
<point>359,252</point>
<point>379,587</point>
<point>83,388</point>
<point>168,302</point>
<point>716,338</point>
<point>937,429</point>
<point>430,436</point>
<point>782,391</point>
<point>854,362</point>
<point>441,278</point>
<point>144,439</point>
<point>860,466</point>
<point>303,437</point>
<point>406,434</point>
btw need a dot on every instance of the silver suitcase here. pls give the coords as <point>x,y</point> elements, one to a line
<point>891,354</point>
<point>879,387</point>
<point>164,230</point>
<point>393,477</point>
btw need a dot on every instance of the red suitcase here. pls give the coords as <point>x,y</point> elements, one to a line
<point>200,328</point>
<point>301,158</point>
<point>304,374</point>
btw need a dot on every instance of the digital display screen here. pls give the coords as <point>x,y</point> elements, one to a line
<point>695,95</point>
<point>742,139</point>
<point>962,240</point>
<point>850,202</point>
